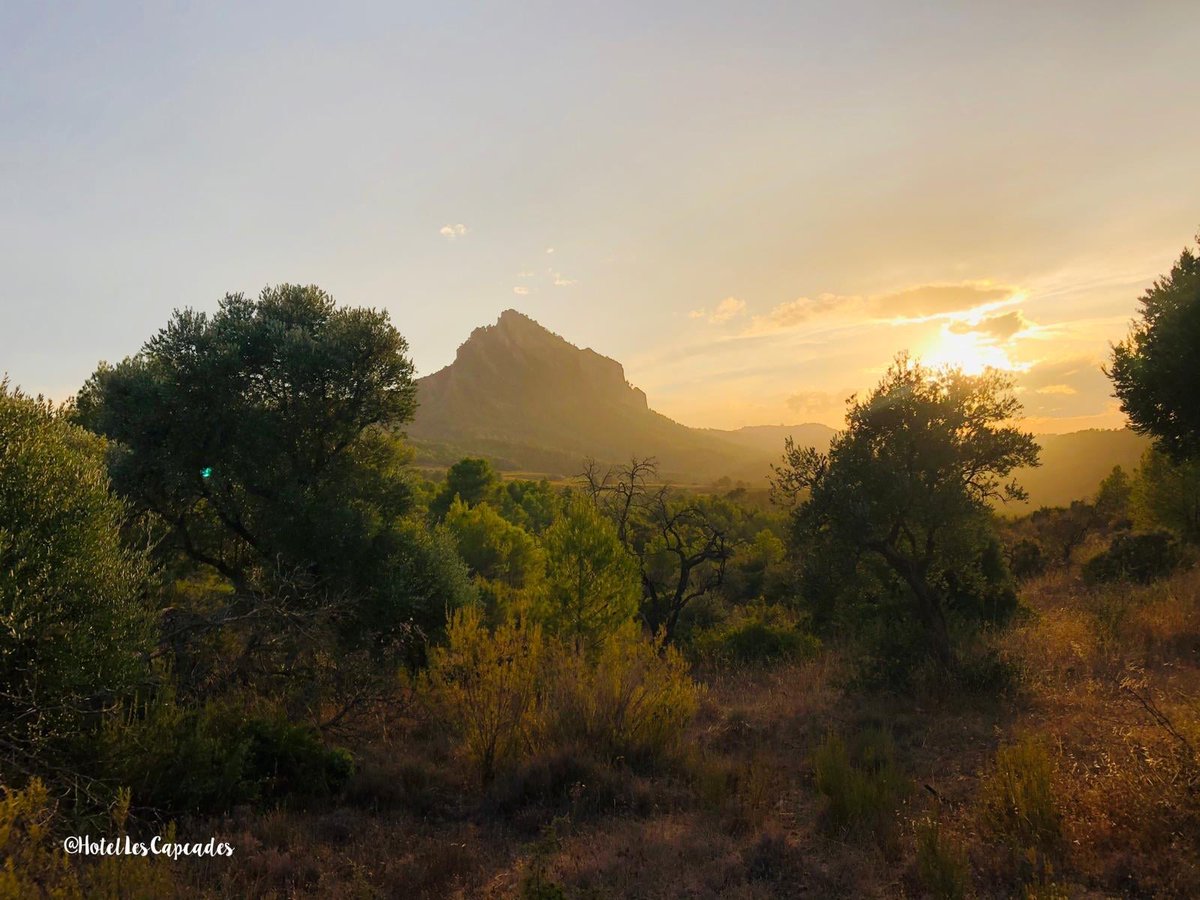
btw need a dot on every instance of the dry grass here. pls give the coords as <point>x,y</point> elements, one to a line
<point>1108,804</point>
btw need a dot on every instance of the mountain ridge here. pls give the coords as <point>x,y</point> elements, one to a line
<point>532,402</point>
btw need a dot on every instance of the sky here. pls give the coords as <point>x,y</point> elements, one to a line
<point>753,206</point>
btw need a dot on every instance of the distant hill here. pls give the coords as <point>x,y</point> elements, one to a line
<point>1073,465</point>
<point>532,402</point>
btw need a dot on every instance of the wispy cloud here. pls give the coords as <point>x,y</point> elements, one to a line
<point>560,281</point>
<point>520,290</point>
<point>729,308</point>
<point>925,301</point>
<point>453,232</point>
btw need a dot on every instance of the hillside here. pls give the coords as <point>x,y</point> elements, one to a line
<point>532,402</point>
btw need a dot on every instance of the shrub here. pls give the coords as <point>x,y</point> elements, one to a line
<point>632,702</point>
<point>212,757</point>
<point>75,626</point>
<point>758,635</point>
<point>1017,799</point>
<point>486,685</point>
<point>36,866</point>
<point>861,788</point>
<point>941,865</point>
<point>1135,557</point>
<point>1026,559</point>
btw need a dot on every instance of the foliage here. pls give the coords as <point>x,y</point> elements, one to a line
<point>212,757</point>
<point>591,586</point>
<point>1166,494</point>
<point>1025,559</point>
<point>532,505</point>
<point>861,783</point>
<point>74,628</point>
<point>1155,369</point>
<point>632,702</point>
<point>908,483</point>
<point>1062,530</point>
<point>265,440</point>
<point>681,545</point>
<point>487,686</point>
<point>504,558</point>
<point>1114,497</point>
<point>758,634</point>
<point>1135,557</point>
<point>470,480</point>
<point>34,864</point>
<point>511,692</point>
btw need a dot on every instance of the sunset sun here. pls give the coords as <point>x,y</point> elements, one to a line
<point>972,352</point>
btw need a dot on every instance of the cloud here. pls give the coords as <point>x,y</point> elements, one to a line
<point>729,308</point>
<point>1075,386</point>
<point>549,249</point>
<point>999,327</point>
<point>525,273</point>
<point>795,312</point>
<point>559,281</point>
<point>453,232</point>
<point>937,299</point>
<point>520,290</point>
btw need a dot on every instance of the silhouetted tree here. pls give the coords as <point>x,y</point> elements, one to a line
<point>470,479</point>
<point>909,482</point>
<point>1156,369</point>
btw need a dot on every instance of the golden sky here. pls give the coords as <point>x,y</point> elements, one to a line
<point>752,206</point>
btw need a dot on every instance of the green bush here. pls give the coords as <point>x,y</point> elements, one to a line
<point>759,634</point>
<point>209,758</point>
<point>861,783</point>
<point>1135,557</point>
<point>75,628</point>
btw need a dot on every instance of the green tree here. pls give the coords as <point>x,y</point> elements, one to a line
<point>1166,494</point>
<point>471,479</point>
<point>507,561</point>
<point>1113,497</point>
<point>1155,370</point>
<point>74,628</point>
<point>265,438</point>
<point>908,483</point>
<point>591,581</point>
<point>680,543</point>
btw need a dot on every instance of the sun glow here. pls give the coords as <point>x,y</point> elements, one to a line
<point>972,352</point>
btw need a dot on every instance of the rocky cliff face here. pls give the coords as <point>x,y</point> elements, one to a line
<point>531,400</point>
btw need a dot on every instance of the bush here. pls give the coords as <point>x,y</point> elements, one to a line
<point>861,788</point>
<point>213,757</point>
<point>509,693</point>
<point>1017,799</point>
<point>75,626</point>
<point>1135,557</point>
<point>36,866</point>
<point>758,635</point>
<point>487,687</point>
<point>632,703</point>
